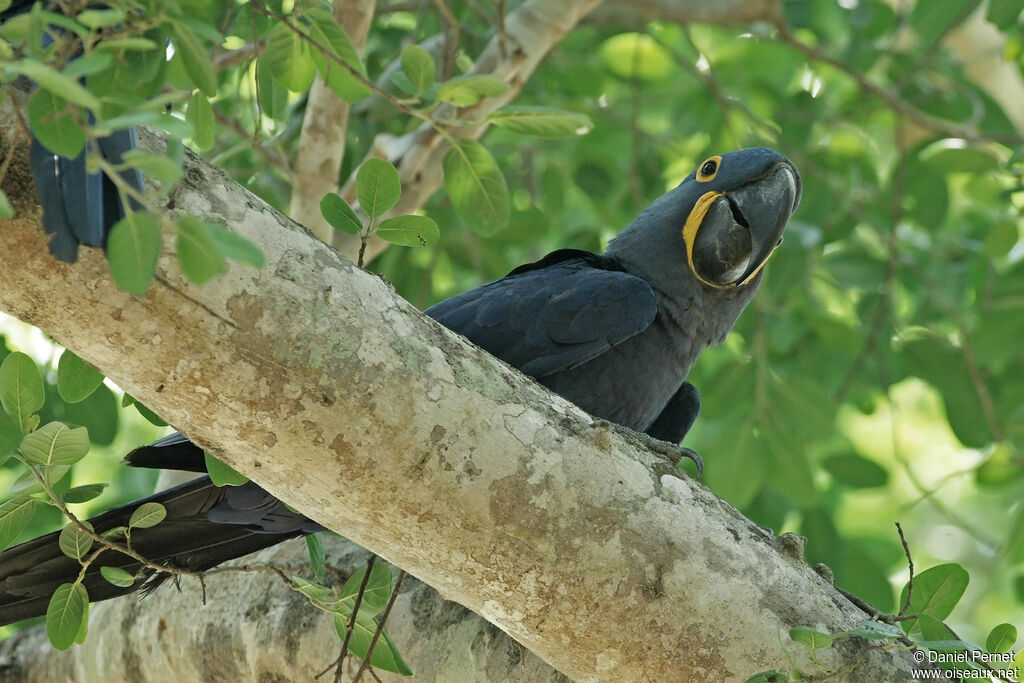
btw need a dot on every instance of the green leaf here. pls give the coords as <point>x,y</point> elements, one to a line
<point>55,444</point>
<point>27,483</point>
<point>195,59</point>
<point>953,156</point>
<point>385,655</point>
<point>1003,13</point>
<point>147,515</point>
<point>87,65</point>
<point>271,96</point>
<point>65,613</point>
<point>132,250</point>
<point>235,247</point>
<point>100,18</point>
<point>544,122</point>
<point>200,114</point>
<point>74,542</point>
<point>409,231</point>
<point>144,411</point>
<point>936,592</point>
<point>419,67</point>
<point>853,470</point>
<point>465,91</point>
<point>6,210</point>
<point>810,637</point>
<point>377,186</point>
<point>314,591</point>
<point>1001,638</point>
<point>21,390</point>
<point>339,214</point>
<point>198,254</point>
<point>288,60</point>
<point>54,124</point>
<point>131,43</point>
<point>636,56</point>
<point>83,631</point>
<point>117,576</point>
<point>934,359</point>
<point>328,34</point>
<point>931,20</point>
<point>64,87</point>
<point>15,514</point>
<point>221,474</point>
<point>83,493</point>
<point>476,186</point>
<point>376,594</point>
<point>877,630</point>
<point>76,379</point>
<point>317,557</point>
<point>157,166</point>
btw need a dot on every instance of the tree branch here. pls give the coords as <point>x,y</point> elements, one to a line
<point>322,144</point>
<point>313,378</point>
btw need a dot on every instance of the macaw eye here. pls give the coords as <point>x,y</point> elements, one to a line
<point>708,169</point>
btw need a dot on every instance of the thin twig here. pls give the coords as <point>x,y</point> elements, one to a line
<point>910,566</point>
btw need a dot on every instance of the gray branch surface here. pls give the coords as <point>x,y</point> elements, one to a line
<point>316,380</point>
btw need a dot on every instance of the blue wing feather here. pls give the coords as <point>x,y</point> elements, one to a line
<point>552,315</point>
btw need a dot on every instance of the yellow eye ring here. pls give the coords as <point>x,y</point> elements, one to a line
<point>709,168</point>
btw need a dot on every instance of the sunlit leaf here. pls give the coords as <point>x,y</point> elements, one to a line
<point>936,592</point>
<point>147,515</point>
<point>317,559</point>
<point>117,576</point>
<point>233,246</point>
<point>55,124</point>
<point>21,390</point>
<point>195,58</point>
<point>83,493</point>
<point>418,66</point>
<point>476,186</point>
<point>74,542</point>
<point>15,514</point>
<point>55,443</point>
<point>465,91</point>
<point>339,214</point>
<point>197,252</point>
<point>377,186</point>
<point>64,614</point>
<point>132,250</point>
<point>409,231</point>
<point>223,474</point>
<point>544,122</point>
<point>288,59</point>
<point>76,379</point>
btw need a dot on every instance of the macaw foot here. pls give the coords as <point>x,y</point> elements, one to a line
<point>670,451</point>
<point>675,454</point>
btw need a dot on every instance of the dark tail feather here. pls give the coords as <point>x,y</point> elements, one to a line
<point>205,526</point>
<point>172,452</point>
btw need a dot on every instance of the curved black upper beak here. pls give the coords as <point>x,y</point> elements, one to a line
<point>764,207</point>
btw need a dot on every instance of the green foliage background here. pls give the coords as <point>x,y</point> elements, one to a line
<point>877,375</point>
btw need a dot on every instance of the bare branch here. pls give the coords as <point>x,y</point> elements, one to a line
<point>322,144</point>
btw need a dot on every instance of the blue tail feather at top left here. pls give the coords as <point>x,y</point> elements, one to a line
<point>79,207</point>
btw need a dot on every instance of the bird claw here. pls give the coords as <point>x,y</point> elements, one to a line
<point>684,452</point>
<point>673,452</point>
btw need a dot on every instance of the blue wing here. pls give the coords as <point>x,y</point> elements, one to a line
<point>552,315</point>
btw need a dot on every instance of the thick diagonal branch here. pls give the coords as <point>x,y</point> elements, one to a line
<point>315,379</point>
